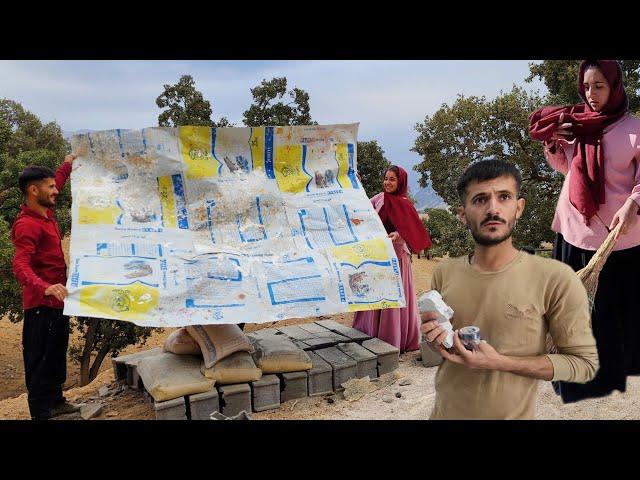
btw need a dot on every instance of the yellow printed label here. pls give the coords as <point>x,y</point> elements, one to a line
<point>125,302</point>
<point>257,147</point>
<point>288,168</point>
<point>342,157</point>
<point>195,147</point>
<point>98,216</point>
<point>168,202</point>
<point>355,253</point>
<point>373,306</point>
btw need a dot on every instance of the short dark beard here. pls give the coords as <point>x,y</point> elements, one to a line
<point>487,241</point>
<point>43,202</point>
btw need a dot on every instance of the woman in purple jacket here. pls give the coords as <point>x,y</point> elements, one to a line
<point>596,145</point>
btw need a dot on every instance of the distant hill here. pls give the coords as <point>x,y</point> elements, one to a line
<point>427,198</point>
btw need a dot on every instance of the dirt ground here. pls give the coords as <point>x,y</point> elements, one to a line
<point>389,401</point>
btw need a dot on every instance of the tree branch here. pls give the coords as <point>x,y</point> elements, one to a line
<point>95,368</point>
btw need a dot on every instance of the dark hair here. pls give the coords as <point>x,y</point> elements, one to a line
<point>591,64</point>
<point>487,170</point>
<point>33,174</point>
<point>395,170</point>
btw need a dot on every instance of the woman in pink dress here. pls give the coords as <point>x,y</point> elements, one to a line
<point>397,326</point>
<point>596,145</point>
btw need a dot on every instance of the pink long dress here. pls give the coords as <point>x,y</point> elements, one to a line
<point>398,326</point>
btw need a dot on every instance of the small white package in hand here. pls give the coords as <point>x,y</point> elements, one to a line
<point>432,301</point>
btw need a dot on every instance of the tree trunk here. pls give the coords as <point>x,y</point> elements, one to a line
<point>95,368</point>
<point>85,361</point>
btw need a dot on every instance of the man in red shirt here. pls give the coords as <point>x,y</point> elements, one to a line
<point>40,269</point>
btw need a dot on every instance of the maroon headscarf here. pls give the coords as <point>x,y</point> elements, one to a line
<point>586,184</point>
<point>401,212</point>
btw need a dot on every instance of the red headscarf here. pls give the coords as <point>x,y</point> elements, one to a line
<point>586,184</point>
<point>399,209</point>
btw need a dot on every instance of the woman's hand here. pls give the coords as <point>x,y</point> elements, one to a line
<point>627,216</point>
<point>394,236</point>
<point>563,132</point>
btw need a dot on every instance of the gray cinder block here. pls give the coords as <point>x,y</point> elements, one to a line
<point>344,367</point>
<point>388,355</point>
<point>265,393</point>
<point>430,358</point>
<point>234,399</point>
<point>171,409</point>
<point>293,385</point>
<point>367,361</point>
<point>202,405</point>
<point>320,377</point>
<point>352,333</point>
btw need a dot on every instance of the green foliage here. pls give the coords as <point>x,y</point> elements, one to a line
<point>560,78</point>
<point>474,129</point>
<point>266,111</point>
<point>10,293</point>
<point>448,234</point>
<point>185,106</point>
<point>22,131</point>
<point>118,335</point>
<point>371,166</point>
<point>24,141</point>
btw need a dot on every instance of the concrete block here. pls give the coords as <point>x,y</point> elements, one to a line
<point>124,363</point>
<point>352,333</point>
<point>302,345</point>
<point>175,409</point>
<point>265,393</point>
<point>119,370</point>
<point>388,355</point>
<point>367,361</point>
<point>293,385</point>
<point>134,376</point>
<point>263,332</point>
<point>344,367</point>
<point>322,332</point>
<point>147,395</point>
<point>294,332</point>
<point>320,377</point>
<point>234,399</point>
<point>133,357</point>
<point>319,342</point>
<point>430,357</point>
<point>202,405</point>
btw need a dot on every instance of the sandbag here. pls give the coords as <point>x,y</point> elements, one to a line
<point>278,354</point>
<point>218,341</point>
<point>167,376</point>
<point>238,367</point>
<point>181,343</point>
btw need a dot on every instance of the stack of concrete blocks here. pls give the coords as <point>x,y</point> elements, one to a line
<point>338,354</point>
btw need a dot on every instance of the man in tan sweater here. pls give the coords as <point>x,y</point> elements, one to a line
<point>515,298</point>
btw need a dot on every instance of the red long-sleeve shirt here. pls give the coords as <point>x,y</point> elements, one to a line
<point>39,261</point>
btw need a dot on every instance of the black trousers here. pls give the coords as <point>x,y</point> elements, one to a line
<point>45,338</point>
<point>615,320</point>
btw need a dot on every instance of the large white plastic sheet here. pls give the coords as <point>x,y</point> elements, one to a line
<point>200,225</point>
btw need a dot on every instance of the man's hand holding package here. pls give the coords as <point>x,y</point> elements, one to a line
<point>434,333</point>
<point>483,357</point>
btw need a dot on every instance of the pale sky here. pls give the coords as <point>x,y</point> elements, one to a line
<point>387,98</point>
